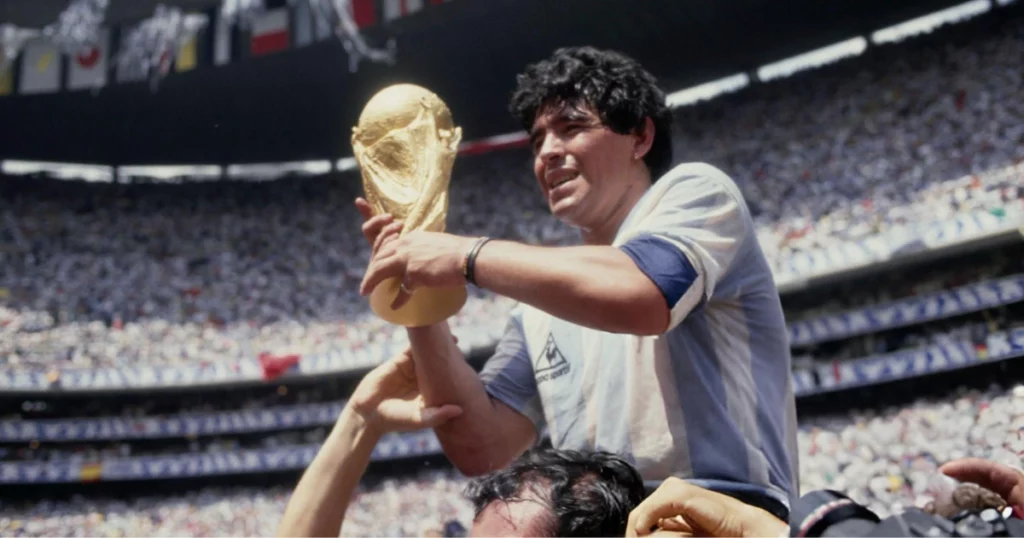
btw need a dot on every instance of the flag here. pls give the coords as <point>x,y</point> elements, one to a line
<point>91,472</point>
<point>88,67</point>
<point>6,79</point>
<point>40,67</point>
<point>322,27</point>
<point>394,9</point>
<point>185,59</point>
<point>363,13</point>
<point>222,42</point>
<point>303,24</point>
<point>270,32</point>
<point>274,366</point>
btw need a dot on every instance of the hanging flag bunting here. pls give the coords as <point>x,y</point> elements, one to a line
<point>270,32</point>
<point>88,67</point>
<point>186,58</point>
<point>222,42</point>
<point>303,24</point>
<point>6,80</point>
<point>40,67</point>
<point>394,9</point>
<point>363,12</point>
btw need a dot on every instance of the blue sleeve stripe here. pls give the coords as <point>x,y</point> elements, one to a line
<point>662,262</point>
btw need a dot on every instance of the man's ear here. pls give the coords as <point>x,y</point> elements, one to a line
<point>643,139</point>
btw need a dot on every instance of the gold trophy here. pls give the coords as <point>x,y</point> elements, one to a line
<point>405,145</point>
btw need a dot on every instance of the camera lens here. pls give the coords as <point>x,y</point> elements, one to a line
<point>973,525</point>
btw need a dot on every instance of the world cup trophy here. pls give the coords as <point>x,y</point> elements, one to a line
<point>405,145</point>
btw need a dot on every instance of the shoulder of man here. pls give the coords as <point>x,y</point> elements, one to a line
<point>699,173</point>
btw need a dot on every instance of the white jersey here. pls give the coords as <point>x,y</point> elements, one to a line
<point>711,399</point>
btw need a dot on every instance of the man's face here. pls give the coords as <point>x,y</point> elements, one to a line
<point>582,166</point>
<point>527,517</point>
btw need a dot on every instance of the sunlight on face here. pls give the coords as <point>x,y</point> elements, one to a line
<point>581,165</point>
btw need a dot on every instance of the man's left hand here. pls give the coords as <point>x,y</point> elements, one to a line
<point>388,399</point>
<point>417,259</point>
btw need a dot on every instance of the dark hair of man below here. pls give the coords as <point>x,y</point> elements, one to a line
<point>616,87</point>
<point>587,493</point>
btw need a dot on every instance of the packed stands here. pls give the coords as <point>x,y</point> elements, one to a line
<point>882,458</point>
<point>427,501</point>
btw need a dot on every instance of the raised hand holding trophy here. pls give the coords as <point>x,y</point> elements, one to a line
<point>405,144</point>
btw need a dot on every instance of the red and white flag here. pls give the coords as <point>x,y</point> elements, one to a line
<point>394,9</point>
<point>270,32</point>
<point>88,68</point>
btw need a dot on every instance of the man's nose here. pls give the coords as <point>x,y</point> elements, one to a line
<point>551,149</point>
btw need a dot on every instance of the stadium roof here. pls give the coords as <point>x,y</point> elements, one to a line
<point>300,104</point>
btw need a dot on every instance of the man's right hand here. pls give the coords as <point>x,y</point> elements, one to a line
<point>682,508</point>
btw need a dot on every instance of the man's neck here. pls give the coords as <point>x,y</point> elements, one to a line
<point>605,233</point>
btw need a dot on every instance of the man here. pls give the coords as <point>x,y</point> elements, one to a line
<point>662,337</point>
<point>560,493</point>
<point>544,493</point>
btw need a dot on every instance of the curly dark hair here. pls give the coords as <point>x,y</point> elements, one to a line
<point>588,493</point>
<point>615,86</point>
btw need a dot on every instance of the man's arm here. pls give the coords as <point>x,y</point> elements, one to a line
<point>669,263</point>
<point>318,505</point>
<point>489,434</point>
<point>645,285</point>
<point>386,400</point>
<point>594,286</point>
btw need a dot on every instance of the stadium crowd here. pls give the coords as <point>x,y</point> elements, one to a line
<point>119,275</point>
<point>113,449</point>
<point>973,328</point>
<point>857,147</point>
<point>923,279</point>
<point>882,458</point>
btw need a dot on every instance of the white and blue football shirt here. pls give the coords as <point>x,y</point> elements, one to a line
<point>711,399</point>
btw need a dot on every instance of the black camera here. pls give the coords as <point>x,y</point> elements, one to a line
<point>828,513</point>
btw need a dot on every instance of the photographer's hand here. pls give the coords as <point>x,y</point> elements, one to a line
<point>1002,479</point>
<point>705,513</point>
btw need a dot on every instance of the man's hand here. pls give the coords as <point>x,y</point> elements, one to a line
<point>376,227</point>
<point>417,259</point>
<point>1004,480</point>
<point>388,399</point>
<point>682,508</point>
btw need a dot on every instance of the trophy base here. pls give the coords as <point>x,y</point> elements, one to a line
<point>426,307</point>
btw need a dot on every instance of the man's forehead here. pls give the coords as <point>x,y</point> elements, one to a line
<point>561,111</point>
<point>520,517</point>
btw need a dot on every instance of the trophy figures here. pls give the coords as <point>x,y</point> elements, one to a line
<point>405,145</point>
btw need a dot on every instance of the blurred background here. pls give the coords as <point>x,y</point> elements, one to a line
<point>179,256</point>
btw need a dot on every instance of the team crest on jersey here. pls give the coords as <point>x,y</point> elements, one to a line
<point>550,363</point>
